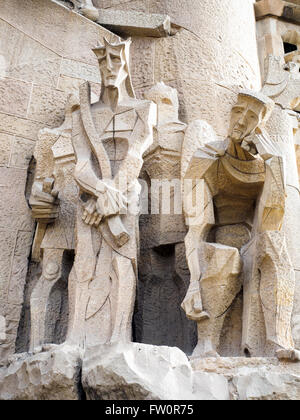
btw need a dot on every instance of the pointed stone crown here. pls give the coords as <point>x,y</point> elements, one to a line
<point>119,46</point>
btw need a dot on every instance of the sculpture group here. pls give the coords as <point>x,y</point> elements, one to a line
<point>86,198</point>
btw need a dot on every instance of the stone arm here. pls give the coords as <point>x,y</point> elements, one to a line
<point>84,173</point>
<point>271,204</point>
<point>106,199</point>
<point>43,199</point>
<point>198,206</point>
<point>141,139</point>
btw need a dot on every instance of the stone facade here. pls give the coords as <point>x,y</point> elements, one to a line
<point>149,199</point>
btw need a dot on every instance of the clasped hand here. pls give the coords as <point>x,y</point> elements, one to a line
<point>109,202</point>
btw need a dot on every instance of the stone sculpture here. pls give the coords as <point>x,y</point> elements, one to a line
<point>159,318</point>
<point>55,216</point>
<point>243,181</point>
<point>86,7</point>
<point>88,10</point>
<point>282,84</point>
<point>109,140</point>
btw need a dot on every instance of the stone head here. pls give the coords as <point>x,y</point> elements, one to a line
<point>113,59</point>
<point>166,99</point>
<point>251,111</point>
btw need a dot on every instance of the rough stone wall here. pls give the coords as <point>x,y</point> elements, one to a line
<point>45,53</point>
<point>214,54</point>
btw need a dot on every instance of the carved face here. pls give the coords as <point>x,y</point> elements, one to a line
<point>113,66</point>
<point>246,116</point>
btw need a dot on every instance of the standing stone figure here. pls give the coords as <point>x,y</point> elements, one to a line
<point>159,318</point>
<point>55,216</point>
<point>235,239</point>
<point>109,139</point>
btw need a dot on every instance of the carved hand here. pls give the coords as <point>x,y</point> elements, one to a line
<point>263,145</point>
<point>249,146</point>
<point>192,304</point>
<point>44,201</point>
<point>110,200</point>
<point>90,214</point>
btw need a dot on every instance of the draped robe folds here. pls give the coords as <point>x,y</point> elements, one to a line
<point>102,284</point>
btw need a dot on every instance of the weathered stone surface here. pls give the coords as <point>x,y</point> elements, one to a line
<point>48,375</point>
<point>143,372</point>
<point>135,23</point>
<point>45,54</point>
<point>255,379</point>
<point>14,96</point>
<point>242,251</point>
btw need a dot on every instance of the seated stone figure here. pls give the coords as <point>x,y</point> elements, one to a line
<point>235,237</point>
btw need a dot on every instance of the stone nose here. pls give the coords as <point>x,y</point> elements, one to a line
<point>243,120</point>
<point>109,63</point>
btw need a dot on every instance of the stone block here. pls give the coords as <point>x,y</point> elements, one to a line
<point>49,375</point>
<point>14,96</point>
<point>135,23</point>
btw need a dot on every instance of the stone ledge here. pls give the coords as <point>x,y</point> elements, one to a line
<point>125,23</point>
<point>279,9</point>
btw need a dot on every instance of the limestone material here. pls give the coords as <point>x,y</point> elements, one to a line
<point>255,378</point>
<point>247,166</point>
<point>126,23</point>
<point>2,329</point>
<point>85,7</point>
<point>162,235</point>
<point>55,216</point>
<point>102,282</point>
<point>278,8</point>
<point>36,53</point>
<point>143,372</point>
<point>53,374</point>
<point>79,183</point>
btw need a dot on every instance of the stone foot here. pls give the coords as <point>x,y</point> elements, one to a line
<point>90,13</point>
<point>202,316</point>
<point>288,354</point>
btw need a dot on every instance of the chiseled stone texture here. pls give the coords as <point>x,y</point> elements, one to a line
<point>256,378</point>
<point>45,54</point>
<point>144,372</point>
<point>49,375</point>
<point>214,53</point>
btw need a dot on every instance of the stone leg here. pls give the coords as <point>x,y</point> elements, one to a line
<point>111,300</point>
<point>271,206</point>
<point>277,287</point>
<point>80,277</point>
<point>220,283</point>
<point>269,284</point>
<point>52,265</point>
<point>199,228</point>
<point>123,298</point>
<point>254,332</point>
